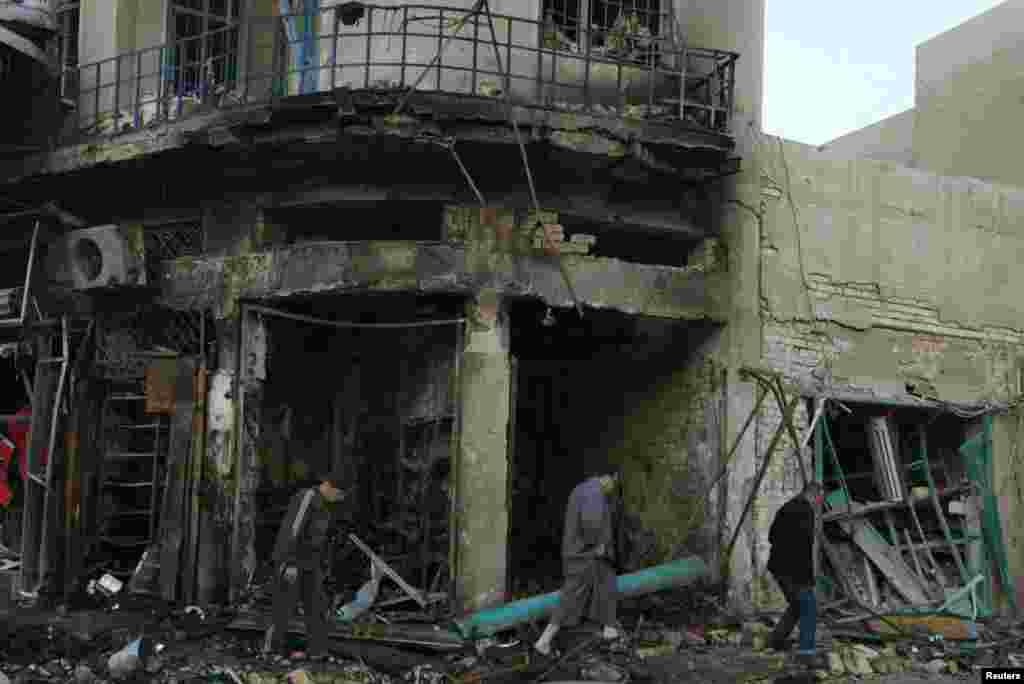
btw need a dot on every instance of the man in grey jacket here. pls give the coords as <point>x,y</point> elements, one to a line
<point>588,556</point>
<point>297,565</point>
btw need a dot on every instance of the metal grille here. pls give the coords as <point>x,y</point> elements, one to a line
<point>204,58</point>
<point>622,29</point>
<point>172,329</point>
<point>121,350</point>
<point>171,242</point>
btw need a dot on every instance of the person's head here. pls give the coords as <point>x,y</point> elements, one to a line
<point>330,488</point>
<point>814,492</point>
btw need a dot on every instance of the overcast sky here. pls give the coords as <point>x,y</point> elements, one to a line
<point>834,66</point>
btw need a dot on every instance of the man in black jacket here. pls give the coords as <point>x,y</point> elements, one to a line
<point>297,565</point>
<point>791,564</point>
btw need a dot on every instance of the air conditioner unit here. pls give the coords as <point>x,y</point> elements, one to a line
<point>97,257</point>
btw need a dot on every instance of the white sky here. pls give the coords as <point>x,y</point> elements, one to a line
<point>832,67</point>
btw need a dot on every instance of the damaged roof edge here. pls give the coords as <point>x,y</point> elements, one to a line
<point>232,126</point>
<point>814,389</point>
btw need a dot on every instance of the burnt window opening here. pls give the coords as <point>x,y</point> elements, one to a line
<point>376,407</point>
<point>632,244</point>
<point>615,29</point>
<point>205,38</point>
<point>860,440</point>
<point>576,386</point>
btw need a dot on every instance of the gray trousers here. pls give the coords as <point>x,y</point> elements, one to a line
<point>308,586</point>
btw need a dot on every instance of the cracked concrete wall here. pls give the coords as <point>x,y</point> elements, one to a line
<point>910,285</point>
<point>911,277</point>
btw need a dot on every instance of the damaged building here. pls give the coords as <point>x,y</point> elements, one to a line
<point>468,252</point>
<point>431,245</point>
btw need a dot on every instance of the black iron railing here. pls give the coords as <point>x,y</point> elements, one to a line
<point>421,47</point>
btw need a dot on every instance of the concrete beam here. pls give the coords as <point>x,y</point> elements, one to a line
<point>218,283</point>
<point>592,207</point>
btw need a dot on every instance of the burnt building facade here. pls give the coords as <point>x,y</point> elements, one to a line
<point>465,251</point>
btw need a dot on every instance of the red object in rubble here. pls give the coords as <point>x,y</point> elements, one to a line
<point>6,451</point>
<point>18,431</point>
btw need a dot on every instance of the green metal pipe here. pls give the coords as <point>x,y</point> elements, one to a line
<point>489,622</point>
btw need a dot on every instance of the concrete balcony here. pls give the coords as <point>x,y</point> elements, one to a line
<point>439,50</point>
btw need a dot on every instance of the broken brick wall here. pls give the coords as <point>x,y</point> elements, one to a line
<point>911,288</point>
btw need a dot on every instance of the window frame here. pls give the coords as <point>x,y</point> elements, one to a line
<point>230,18</point>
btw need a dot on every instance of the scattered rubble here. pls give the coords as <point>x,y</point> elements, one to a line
<point>676,635</point>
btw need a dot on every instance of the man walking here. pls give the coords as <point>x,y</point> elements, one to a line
<point>791,564</point>
<point>297,566</point>
<point>588,557</point>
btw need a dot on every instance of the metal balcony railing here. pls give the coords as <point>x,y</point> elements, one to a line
<point>422,47</point>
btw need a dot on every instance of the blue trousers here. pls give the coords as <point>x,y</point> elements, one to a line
<point>802,609</point>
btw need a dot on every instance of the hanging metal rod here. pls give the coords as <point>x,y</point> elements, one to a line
<point>267,311</point>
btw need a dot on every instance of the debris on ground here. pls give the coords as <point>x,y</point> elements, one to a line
<point>679,635</point>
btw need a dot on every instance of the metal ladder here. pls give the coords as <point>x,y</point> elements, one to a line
<point>134,457</point>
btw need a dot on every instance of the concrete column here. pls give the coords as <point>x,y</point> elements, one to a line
<point>738,25</point>
<point>481,468</point>
<point>247,479</point>
<point>217,486</point>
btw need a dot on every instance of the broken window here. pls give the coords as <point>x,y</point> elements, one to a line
<point>67,47</point>
<point>905,497</point>
<point>204,57</point>
<point>617,29</point>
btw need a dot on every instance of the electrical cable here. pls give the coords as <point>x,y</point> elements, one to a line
<point>484,5</point>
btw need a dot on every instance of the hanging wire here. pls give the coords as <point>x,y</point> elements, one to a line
<point>485,6</point>
<point>466,174</point>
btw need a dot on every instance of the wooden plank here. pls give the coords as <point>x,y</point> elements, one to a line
<point>940,575</point>
<point>917,561</point>
<point>173,519</point>
<point>964,576</point>
<point>888,560</point>
<point>871,583</point>
<point>196,460</point>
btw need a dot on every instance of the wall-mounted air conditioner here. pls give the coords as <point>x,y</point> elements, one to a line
<point>102,256</point>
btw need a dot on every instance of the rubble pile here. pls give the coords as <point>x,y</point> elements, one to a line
<point>178,647</point>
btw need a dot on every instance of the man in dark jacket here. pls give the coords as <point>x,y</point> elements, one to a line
<point>792,565</point>
<point>297,565</point>
<point>588,548</point>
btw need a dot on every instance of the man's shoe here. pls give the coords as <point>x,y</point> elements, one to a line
<point>780,645</point>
